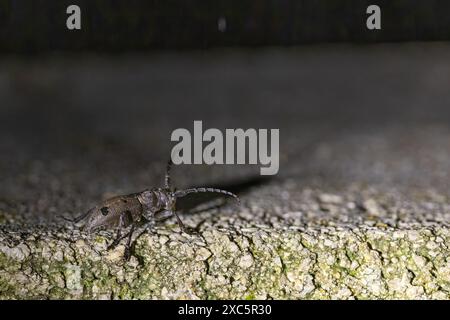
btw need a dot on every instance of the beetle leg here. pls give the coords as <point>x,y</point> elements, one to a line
<point>148,226</point>
<point>182,225</point>
<point>172,211</point>
<point>119,233</point>
<point>166,214</point>
<point>127,253</point>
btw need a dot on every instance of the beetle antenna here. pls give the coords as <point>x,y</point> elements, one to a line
<point>167,180</point>
<point>76,219</point>
<point>185,192</point>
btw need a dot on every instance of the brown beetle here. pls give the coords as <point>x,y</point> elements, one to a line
<point>137,209</point>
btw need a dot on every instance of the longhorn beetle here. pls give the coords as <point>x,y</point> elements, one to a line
<point>142,208</point>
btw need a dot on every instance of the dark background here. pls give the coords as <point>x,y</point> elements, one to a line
<point>88,114</point>
<point>118,26</point>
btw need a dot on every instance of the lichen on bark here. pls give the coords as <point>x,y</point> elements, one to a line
<point>235,256</point>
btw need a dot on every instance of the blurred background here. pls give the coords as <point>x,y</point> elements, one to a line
<point>88,114</point>
<point>116,26</point>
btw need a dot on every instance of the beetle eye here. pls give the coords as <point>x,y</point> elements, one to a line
<point>104,211</point>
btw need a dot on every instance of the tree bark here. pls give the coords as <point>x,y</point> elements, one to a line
<point>229,259</point>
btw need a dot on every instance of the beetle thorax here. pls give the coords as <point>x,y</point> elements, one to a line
<point>155,200</point>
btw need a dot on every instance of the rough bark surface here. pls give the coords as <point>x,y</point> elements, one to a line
<point>238,254</point>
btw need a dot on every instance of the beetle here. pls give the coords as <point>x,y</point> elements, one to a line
<point>141,208</point>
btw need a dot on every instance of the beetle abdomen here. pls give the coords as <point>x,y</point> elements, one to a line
<point>109,213</point>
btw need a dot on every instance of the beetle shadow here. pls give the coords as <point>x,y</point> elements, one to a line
<point>199,202</point>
